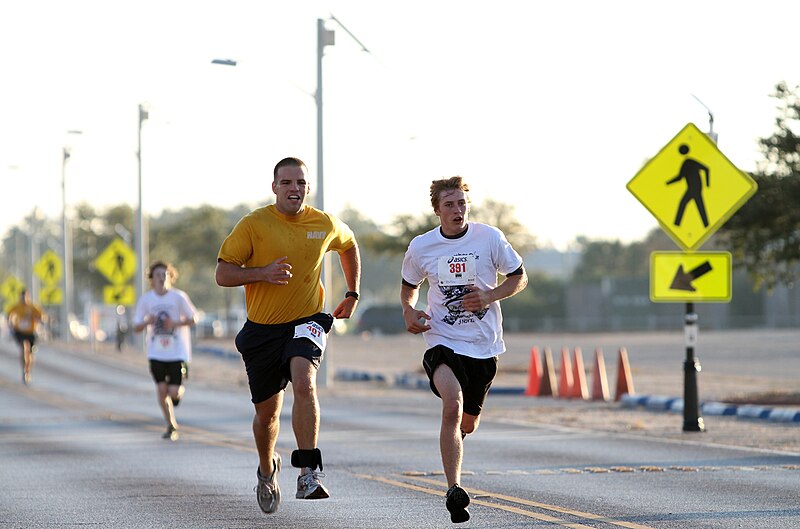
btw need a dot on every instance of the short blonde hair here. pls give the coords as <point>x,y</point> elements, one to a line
<point>444,184</point>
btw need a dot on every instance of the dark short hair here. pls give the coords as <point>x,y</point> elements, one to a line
<point>173,274</point>
<point>443,184</point>
<point>288,162</point>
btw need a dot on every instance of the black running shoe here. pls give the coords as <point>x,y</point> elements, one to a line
<point>456,503</point>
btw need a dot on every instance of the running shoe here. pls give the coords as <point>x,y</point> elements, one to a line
<point>309,487</point>
<point>268,492</point>
<point>171,434</point>
<point>456,503</point>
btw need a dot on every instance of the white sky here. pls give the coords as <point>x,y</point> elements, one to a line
<point>551,107</point>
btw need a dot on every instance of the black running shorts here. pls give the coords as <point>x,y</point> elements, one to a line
<point>171,372</point>
<point>267,349</point>
<point>21,337</point>
<point>475,375</point>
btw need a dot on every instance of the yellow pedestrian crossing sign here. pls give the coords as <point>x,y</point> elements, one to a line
<point>690,277</point>
<point>48,268</point>
<point>691,188</point>
<point>117,262</point>
<point>11,288</point>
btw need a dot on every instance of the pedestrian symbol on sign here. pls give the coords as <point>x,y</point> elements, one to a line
<point>692,171</point>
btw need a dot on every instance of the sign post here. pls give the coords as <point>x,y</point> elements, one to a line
<point>692,189</point>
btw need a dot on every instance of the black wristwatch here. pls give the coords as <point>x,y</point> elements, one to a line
<point>351,294</point>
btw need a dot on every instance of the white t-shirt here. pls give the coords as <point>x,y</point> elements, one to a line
<point>450,265</point>
<point>167,346</point>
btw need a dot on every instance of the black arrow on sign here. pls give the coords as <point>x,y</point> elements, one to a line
<point>683,280</point>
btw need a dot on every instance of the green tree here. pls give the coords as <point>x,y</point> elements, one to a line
<point>503,216</point>
<point>190,239</point>
<point>602,259</point>
<point>765,232</point>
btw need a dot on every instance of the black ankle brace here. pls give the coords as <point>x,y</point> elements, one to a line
<point>307,458</point>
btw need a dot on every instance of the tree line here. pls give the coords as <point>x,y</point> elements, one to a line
<point>764,237</point>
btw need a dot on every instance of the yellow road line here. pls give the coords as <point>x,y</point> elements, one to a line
<point>508,508</point>
<point>512,499</point>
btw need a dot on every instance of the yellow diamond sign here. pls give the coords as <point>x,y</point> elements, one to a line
<point>117,262</point>
<point>48,268</point>
<point>691,188</point>
<point>701,276</point>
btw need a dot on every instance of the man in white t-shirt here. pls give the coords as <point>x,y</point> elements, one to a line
<point>167,313</point>
<point>462,324</point>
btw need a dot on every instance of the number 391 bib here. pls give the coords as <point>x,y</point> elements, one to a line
<point>456,270</point>
<point>314,332</point>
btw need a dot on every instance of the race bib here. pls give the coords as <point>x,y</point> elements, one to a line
<point>314,332</point>
<point>457,270</point>
<point>163,343</point>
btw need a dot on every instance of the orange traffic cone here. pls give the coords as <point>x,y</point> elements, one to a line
<point>599,378</point>
<point>624,378</point>
<point>579,388</point>
<point>549,386</point>
<point>534,374</point>
<point>565,376</point>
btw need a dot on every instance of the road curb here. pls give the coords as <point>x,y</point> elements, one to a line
<point>650,402</point>
<point>747,411</point>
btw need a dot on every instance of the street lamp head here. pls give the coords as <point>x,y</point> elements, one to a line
<point>224,62</point>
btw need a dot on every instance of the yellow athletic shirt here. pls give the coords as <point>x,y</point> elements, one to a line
<point>24,317</point>
<point>264,235</point>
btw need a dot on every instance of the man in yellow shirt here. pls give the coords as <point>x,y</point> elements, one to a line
<point>23,320</point>
<point>276,253</point>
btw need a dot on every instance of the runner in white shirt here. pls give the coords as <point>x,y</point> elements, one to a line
<point>462,324</point>
<point>166,313</point>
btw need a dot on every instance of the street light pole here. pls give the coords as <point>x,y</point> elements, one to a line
<point>66,239</point>
<point>66,236</point>
<point>325,37</point>
<point>141,233</point>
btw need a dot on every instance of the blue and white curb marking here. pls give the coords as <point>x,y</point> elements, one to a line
<point>658,402</point>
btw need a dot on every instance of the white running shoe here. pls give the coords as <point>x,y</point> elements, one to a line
<point>309,487</point>
<point>268,492</point>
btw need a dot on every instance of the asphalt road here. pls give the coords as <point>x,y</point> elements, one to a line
<point>81,447</point>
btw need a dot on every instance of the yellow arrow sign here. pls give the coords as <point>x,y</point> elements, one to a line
<point>679,277</point>
<point>48,268</point>
<point>691,188</point>
<point>51,296</point>
<point>119,295</point>
<point>117,262</point>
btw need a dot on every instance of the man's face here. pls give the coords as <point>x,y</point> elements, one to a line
<point>160,279</point>
<point>453,211</point>
<point>290,188</point>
